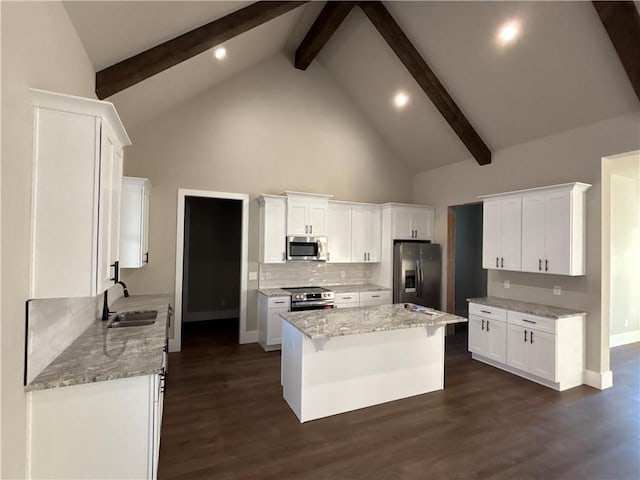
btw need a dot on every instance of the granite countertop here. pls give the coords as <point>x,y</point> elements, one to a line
<point>526,307</point>
<point>101,353</point>
<point>367,287</point>
<point>317,324</point>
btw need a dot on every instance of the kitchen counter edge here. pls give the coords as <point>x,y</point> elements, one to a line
<point>537,309</point>
<point>280,292</point>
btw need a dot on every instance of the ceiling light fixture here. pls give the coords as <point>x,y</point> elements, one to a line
<point>508,32</point>
<point>401,99</point>
<point>220,53</point>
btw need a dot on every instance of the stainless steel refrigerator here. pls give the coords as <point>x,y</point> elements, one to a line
<point>416,273</point>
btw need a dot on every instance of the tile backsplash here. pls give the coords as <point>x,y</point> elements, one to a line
<point>304,274</point>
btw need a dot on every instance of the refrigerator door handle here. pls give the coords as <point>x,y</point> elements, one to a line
<point>418,279</point>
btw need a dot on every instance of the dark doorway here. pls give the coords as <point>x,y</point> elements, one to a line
<point>211,265</point>
<point>465,275</point>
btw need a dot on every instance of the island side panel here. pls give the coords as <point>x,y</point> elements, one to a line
<point>291,366</point>
<point>357,371</point>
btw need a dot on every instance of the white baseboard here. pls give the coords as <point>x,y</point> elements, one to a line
<point>598,380</point>
<point>249,337</point>
<point>624,338</point>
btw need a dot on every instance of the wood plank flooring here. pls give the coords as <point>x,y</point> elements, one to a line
<point>225,418</point>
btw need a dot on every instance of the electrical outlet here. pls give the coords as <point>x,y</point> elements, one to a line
<point>507,284</point>
<point>557,290</point>
<point>342,274</point>
<point>267,275</point>
<point>253,275</point>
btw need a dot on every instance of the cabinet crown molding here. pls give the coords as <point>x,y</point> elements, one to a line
<point>289,193</point>
<point>82,105</point>
<point>578,186</point>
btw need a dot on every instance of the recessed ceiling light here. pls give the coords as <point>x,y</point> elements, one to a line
<point>220,53</point>
<point>508,32</point>
<point>401,99</point>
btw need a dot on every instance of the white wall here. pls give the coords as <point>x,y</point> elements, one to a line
<point>272,128</point>
<point>625,249</point>
<point>40,48</point>
<point>570,156</point>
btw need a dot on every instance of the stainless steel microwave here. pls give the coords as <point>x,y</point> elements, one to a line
<point>307,248</point>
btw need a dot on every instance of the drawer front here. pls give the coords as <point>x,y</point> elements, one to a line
<point>532,322</point>
<point>347,305</point>
<point>279,302</point>
<point>381,297</point>
<point>492,313</point>
<point>353,297</point>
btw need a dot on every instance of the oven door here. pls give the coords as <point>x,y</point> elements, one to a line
<point>307,248</point>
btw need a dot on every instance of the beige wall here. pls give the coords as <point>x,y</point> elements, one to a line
<point>566,157</point>
<point>272,128</point>
<point>625,246</point>
<point>41,49</point>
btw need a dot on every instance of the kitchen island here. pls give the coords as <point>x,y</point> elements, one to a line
<point>335,361</point>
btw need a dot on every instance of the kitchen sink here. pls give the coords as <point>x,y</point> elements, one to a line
<point>134,318</point>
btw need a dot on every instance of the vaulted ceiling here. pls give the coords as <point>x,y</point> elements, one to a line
<point>563,72</point>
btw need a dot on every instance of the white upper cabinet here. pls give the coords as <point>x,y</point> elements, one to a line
<point>134,222</point>
<point>307,214</point>
<point>553,234</point>
<point>339,233</point>
<point>366,234</point>
<point>78,155</point>
<point>412,222</point>
<point>540,230</point>
<point>501,233</point>
<point>272,228</point>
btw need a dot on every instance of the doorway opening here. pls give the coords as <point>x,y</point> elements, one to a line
<point>211,267</point>
<point>465,276</point>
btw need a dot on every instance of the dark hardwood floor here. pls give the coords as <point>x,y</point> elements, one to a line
<point>225,418</point>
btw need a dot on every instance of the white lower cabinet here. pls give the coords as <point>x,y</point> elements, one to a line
<point>549,351</point>
<point>363,299</point>
<point>270,322</point>
<point>347,300</point>
<point>101,430</point>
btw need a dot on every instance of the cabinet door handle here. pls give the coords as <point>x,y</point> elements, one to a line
<point>311,229</point>
<point>501,262</point>
<point>546,265</point>
<point>346,298</point>
<point>368,256</point>
<point>539,264</point>
<point>284,257</point>
<point>306,229</point>
<point>280,302</point>
<point>375,296</point>
<point>497,264</point>
<point>328,256</point>
<point>116,272</point>
<point>528,321</point>
<point>146,257</point>
<point>482,328</point>
<point>487,325</point>
<point>531,337</point>
<point>525,336</point>
<point>486,311</point>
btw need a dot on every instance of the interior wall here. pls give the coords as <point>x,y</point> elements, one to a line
<point>40,49</point>
<point>212,276</point>
<point>470,277</point>
<point>625,253</point>
<point>570,156</point>
<point>272,128</point>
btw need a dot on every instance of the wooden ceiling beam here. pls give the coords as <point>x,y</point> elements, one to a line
<point>135,69</point>
<point>621,20</point>
<point>422,73</point>
<point>328,21</point>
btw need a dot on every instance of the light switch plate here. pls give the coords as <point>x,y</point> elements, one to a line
<point>507,284</point>
<point>253,275</point>
<point>267,275</point>
<point>557,290</point>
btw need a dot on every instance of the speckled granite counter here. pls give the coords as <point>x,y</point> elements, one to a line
<point>354,321</point>
<point>279,292</point>
<point>526,307</point>
<point>101,354</point>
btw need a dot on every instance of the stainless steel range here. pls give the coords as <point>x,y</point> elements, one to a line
<point>310,298</point>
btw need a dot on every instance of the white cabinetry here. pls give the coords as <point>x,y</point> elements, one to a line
<point>545,350</point>
<point>134,222</point>
<point>347,300</point>
<point>378,297</point>
<point>553,234</point>
<point>412,222</point>
<point>488,332</point>
<point>339,233</point>
<point>307,214</point>
<point>538,230</point>
<point>109,429</point>
<point>269,320</point>
<point>366,234</point>
<point>78,154</point>
<point>501,233</point>
<point>272,229</point>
